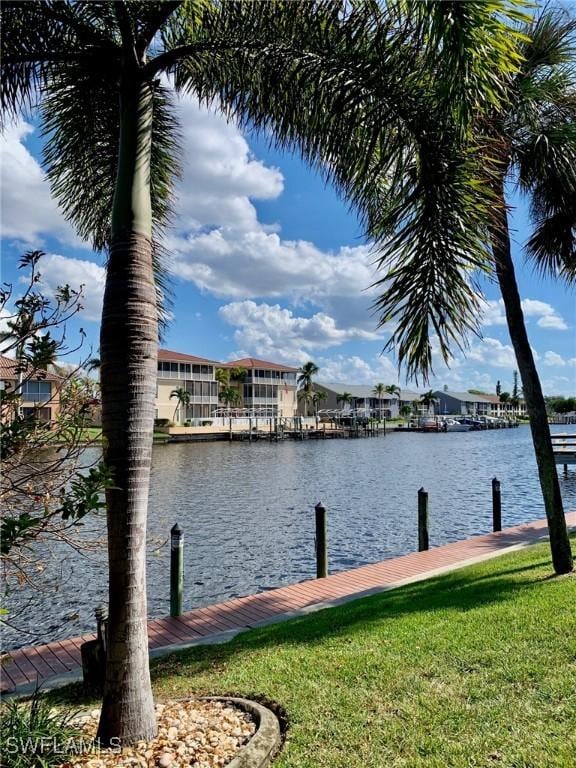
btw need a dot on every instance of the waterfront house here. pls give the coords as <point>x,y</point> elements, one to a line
<point>460,403</point>
<point>364,400</point>
<point>266,387</point>
<point>194,374</point>
<point>469,404</point>
<point>505,410</point>
<point>39,391</point>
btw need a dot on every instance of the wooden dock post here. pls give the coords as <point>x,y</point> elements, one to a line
<point>176,570</point>
<point>321,542</point>
<point>496,505</point>
<point>423,540</point>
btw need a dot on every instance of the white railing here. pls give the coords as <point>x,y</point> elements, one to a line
<point>186,376</point>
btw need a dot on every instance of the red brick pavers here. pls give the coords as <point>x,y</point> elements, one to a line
<point>40,663</point>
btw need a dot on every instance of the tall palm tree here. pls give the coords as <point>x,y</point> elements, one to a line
<point>111,159</point>
<point>182,397</point>
<point>534,140</point>
<point>427,185</point>
<point>97,71</point>
<point>393,389</point>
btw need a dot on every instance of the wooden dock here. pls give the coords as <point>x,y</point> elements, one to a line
<point>564,445</point>
<point>59,662</point>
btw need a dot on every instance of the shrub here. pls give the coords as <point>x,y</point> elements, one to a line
<point>33,735</point>
<point>206,423</point>
<point>162,423</point>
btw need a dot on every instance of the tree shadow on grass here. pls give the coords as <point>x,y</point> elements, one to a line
<point>458,592</point>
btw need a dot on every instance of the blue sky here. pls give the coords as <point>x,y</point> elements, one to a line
<point>268,262</point>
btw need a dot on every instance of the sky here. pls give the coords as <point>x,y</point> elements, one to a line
<point>268,262</point>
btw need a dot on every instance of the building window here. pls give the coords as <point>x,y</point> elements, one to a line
<point>40,414</point>
<point>36,391</point>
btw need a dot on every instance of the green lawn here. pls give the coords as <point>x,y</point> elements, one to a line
<point>476,668</point>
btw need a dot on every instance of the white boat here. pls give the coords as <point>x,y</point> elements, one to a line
<point>455,426</point>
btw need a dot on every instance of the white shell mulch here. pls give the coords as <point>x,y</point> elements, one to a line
<point>191,734</point>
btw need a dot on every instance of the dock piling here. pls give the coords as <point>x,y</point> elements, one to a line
<point>176,570</point>
<point>321,541</point>
<point>423,539</point>
<point>496,505</point>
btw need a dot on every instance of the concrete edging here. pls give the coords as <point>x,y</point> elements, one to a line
<point>265,744</point>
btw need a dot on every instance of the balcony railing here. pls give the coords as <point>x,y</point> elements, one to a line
<point>186,376</point>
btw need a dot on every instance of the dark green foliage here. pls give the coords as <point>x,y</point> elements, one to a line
<point>84,494</point>
<point>34,735</point>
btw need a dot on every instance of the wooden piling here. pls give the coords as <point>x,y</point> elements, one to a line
<point>423,539</point>
<point>321,541</point>
<point>496,505</point>
<point>176,570</point>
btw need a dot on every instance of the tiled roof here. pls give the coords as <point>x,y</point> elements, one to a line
<point>252,362</point>
<point>8,371</point>
<point>167,354</point>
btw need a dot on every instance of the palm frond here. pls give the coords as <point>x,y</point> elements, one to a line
<point>347,87</point>
<point>37,38</point>
<point>541,131</point>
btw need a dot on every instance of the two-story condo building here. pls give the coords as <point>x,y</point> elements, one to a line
<point>266,386</point>
<point>469,404</point>
<point>39,391</point>
<point>194,374</point>
<point>364,400</point>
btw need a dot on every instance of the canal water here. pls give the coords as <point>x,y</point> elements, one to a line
<point>247,512</point>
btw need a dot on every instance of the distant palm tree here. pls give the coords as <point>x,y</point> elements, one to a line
<point>393,389</point>
<point>318,396</point>
<point>306,374</point>
<point>428,399</point>
<point>306,396</point>
<point>238,373</point>
<point>504,397</point>
<point>345,398</point>
<point>305,382</point>
<point>405,411</point>
<point>379,390</point>
<point>182,397</point>
<point>222,376</point>
<point>230,396</point>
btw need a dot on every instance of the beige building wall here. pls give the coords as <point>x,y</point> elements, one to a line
<point>164,406</point>
<point>287,401</point>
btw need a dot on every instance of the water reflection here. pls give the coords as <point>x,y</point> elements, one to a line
<point>247,514</point>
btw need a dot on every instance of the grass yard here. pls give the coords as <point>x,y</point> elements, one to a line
<point>475,668</point>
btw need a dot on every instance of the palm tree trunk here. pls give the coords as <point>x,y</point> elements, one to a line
<point>129,343</point>
<point>559,540</point>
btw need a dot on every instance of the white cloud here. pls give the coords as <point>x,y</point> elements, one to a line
<point>28,210</point>
<point>59,270</point>
<point>552,323</point>
<point>271,331</point>
<point>552,358</point>
<point>493,352</point>
<point>548,318</point>
<point>220,245</point>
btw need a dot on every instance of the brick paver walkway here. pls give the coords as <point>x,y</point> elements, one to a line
<point>37,664</point>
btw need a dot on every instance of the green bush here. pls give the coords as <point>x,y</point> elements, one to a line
<point>162,423</point>
<point>206,423</point>
<point>33,735</point>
